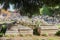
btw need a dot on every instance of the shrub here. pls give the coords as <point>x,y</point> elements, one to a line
<point>45,10</point>
<point>1,34</point>
<point>45,34</point>
<point>58,33</point>
<point>3,30</point>
<point>35,32</point>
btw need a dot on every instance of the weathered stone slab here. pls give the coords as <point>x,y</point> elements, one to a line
<point>11,32</point>
<point>25,30</point>
<point>49,30</point>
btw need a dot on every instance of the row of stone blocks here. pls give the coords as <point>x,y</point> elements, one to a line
<point>17,30</point>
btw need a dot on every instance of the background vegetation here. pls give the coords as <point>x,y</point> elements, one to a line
<point>31,7</point>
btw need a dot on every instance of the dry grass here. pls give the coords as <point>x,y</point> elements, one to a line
<point>36,38</point>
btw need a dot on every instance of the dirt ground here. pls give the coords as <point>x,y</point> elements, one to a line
<point>31,38</point>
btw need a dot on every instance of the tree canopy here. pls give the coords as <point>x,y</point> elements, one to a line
<point>30,6</point>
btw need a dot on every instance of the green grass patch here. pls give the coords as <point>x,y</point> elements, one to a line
<point>58,25</point>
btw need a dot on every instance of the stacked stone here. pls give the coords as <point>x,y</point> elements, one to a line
<point>19,30</point>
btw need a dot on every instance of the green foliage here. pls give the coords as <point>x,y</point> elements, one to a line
<point>45,10</point>
<point>58,33</point>
<point>3,30</point>
<point>51,2</point>
<point>1,34</point>
<point>3,26</point>
<point>35,32</point>
<point>58,25</point>
<point>38,22</point>
<point>45,34</point>
<point>31,7</point>
<point>25,6</point>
